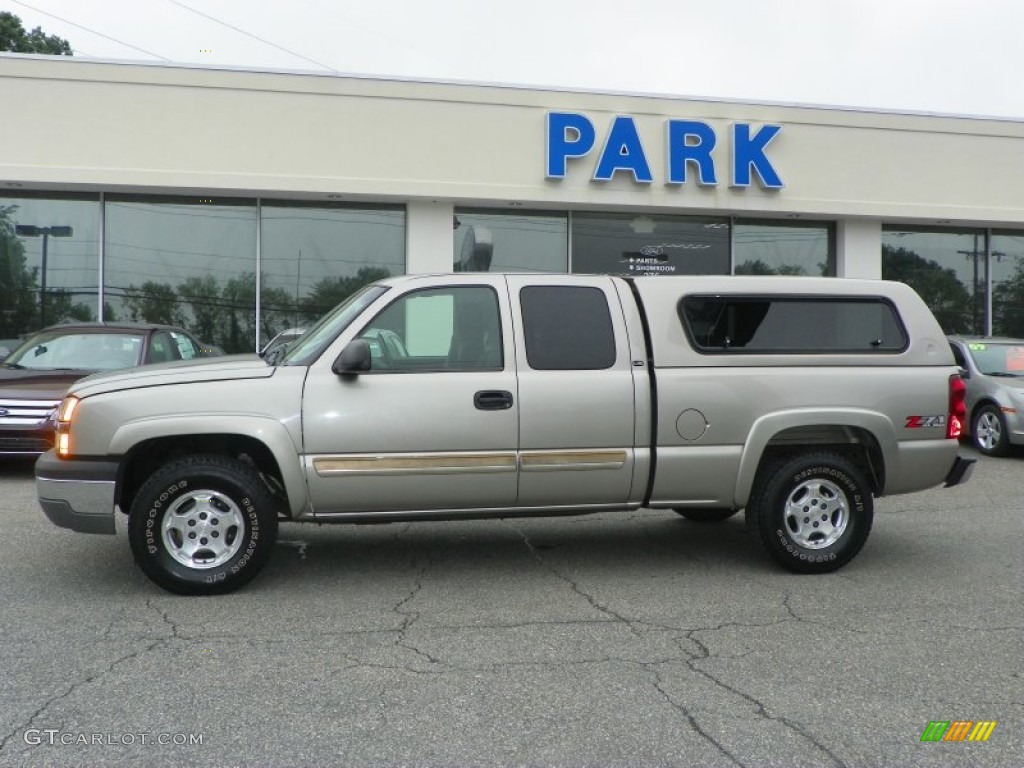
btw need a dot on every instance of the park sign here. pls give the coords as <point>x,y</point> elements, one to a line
<point>689,146</point>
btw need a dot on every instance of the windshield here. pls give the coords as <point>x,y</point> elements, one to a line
<point>998,359</point>
<point>308,348</point>
<point>78,350</point>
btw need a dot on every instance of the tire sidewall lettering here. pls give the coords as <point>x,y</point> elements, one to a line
<point>155,546</point>
<point>774,492</point>
<point>801,553</point>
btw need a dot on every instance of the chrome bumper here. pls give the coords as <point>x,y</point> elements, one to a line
<point>77,494</point>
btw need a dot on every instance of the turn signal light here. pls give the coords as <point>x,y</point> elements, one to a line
<point>67,409</point>
<point>64,414</point>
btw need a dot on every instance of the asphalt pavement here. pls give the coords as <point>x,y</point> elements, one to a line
<point>630,639</point>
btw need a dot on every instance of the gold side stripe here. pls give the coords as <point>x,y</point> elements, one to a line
<point>415,464</point>
<point>583,460</point>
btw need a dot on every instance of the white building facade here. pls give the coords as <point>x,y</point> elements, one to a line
<point>238,203</point>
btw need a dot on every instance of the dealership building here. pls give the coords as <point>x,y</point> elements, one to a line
<point>239,202</point>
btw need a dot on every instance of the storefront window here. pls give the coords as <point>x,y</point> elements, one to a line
<point>314,257</point>
<point>649,244</point>
<point>946,267</point>
<point>520,241</point>
<point>49,261</point>
<point>783,248</point>
<point>1007,266</point>
<point>184,261</point>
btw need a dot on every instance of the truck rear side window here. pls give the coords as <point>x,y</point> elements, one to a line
<point>567,328</point>
<point>792,324</point>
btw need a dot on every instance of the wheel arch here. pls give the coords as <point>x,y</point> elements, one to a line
<point>867,437</point>
<point>146,445</point>
<point>980,403</point>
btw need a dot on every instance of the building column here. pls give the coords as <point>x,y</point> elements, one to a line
<point>429,236</point>
<point>859,248</point>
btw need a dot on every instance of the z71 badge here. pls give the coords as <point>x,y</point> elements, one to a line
<point>917,422</point>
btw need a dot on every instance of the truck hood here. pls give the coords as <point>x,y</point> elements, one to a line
<point>227,368</point>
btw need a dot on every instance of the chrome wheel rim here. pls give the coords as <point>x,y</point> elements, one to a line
<point>817,513</point>
<point>988,430</point>
<point>203,529</point>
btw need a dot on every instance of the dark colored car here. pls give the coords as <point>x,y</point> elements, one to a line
<point>35,376</point>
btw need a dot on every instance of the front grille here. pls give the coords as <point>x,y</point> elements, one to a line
<point>25,413</point>
<point>26,446</point>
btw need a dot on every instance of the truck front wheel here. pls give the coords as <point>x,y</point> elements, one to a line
<point>202,525</point>
<point>813,511</point>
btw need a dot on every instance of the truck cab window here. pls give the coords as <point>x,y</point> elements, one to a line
<point>440,329</point>
<point>567,328</point>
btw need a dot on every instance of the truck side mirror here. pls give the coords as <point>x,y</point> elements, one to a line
<point>964,373</point>
<point>354,358</point>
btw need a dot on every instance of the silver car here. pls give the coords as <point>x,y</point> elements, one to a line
<point>994,374</point>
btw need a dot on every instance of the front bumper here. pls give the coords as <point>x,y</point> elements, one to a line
<point>961,471</point>
<point>77,494</point>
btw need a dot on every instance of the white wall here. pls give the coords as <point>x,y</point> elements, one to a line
<point>859,248</point>
<point>189,130</point>
<point>430,237</point>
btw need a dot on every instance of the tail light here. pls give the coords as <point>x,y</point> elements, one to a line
<point>957,407</point>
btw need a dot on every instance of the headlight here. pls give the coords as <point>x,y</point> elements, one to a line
<point>64,415</point>
<point>67,409</point>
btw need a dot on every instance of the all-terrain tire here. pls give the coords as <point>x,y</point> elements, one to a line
<point>813,511</point>
<point>203,525</point>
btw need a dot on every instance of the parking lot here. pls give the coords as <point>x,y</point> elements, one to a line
<point>636,639</point>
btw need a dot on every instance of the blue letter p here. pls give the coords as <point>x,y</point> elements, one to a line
<point>569,135</point>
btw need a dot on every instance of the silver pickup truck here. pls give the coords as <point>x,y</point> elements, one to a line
<point>430,397</point>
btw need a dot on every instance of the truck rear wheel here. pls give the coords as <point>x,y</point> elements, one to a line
<point>202,525</point>
<point>813,512</point>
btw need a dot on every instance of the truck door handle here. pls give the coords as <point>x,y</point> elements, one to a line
<point>492,400</point>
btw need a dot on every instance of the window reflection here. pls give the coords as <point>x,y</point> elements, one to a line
<point>314,257</point>
<point>499,241</point>
<point>649,244</point>
<point>184,261</point>
<point>783,248</point>
<point>946,267</point>
<point>49,261</point>
<point>1007,266</point>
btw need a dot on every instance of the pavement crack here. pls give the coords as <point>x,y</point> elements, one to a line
<point>165,618</point>
<point>575,587</point>
<point>690,718</point>
<point>693,660</point>
<point>159,642</point>
<point>410,617</point>
<point>121,615</point>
